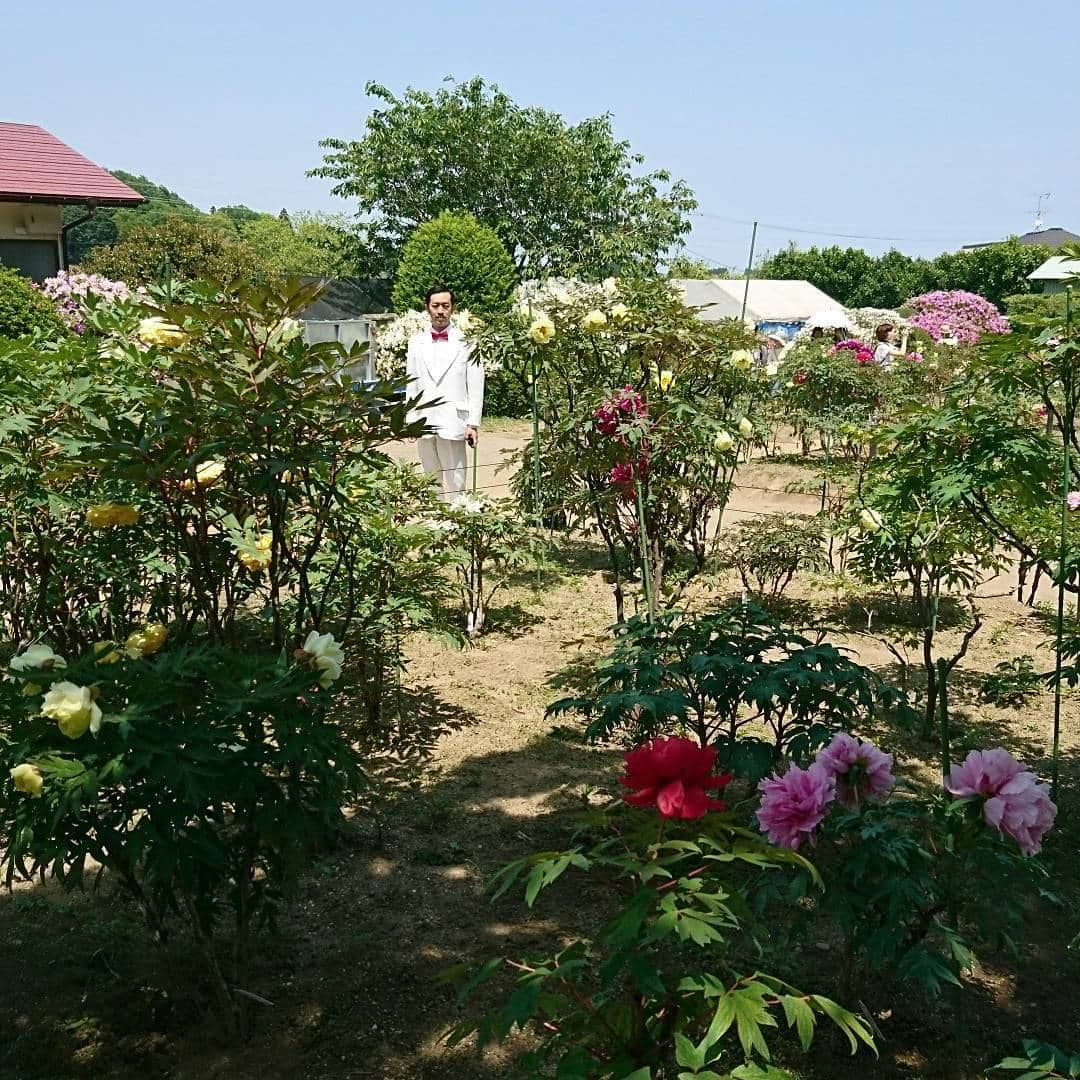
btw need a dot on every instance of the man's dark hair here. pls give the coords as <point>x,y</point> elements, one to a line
<point>438,289</point>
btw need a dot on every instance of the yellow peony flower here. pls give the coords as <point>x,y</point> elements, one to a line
<point>542,330</point>
<point>105,652</point>
<point>771,369</point>
<point>723,441</point>
<point>159,331</point>
<point>260,559</point>
<point>594,320</point>
<point>741,359</point>
<point>620,312</point>
<point>73,709</point>
<point>869,521</point>
<point>106,515</point>
<point>28,779</point>
<point>147,641</point>
<point>663,379</point>
<point>746,429</point>
<point>39,657</point>
<point>206,473</point>
<point>610,286</point>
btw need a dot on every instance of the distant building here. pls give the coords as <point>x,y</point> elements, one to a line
<point>38,175</point>
<point>770,304</point>
<point>1047,238</point>
<point>1054,274</point>
<point>347,311</point>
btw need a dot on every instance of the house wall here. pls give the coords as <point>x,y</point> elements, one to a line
<point>34,225</point>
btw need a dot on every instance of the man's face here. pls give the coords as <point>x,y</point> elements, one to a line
<point>439,308</point>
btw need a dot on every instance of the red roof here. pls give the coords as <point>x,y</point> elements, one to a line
<point>37,165</point>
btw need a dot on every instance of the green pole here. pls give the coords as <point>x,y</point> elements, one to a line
<point>646,575</point>
<point>749,266</point>
<point>1068,419</point>
<point>537,496</point>
<point>943,712</point>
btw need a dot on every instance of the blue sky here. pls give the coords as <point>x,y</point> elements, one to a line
<point>936,124</point>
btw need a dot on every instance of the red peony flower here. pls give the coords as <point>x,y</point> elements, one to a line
<point>800,378</point>
<point>674,775</point>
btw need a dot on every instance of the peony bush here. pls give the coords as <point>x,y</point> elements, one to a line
<point>204,545</point>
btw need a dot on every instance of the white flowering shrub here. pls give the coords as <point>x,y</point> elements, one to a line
<point>392,340</point>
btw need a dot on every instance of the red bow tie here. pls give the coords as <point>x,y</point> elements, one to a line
<point>440,335</point>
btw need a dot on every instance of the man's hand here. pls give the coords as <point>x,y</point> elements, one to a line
<point>472,435</point>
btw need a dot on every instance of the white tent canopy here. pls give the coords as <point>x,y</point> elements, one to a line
<point>768,301</point>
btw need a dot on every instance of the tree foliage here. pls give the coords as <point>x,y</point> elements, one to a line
<point>318,245</point>
<point>857,279</point>
<point>563,198</point>
<point>194,251</point>
<point>110,224</point>
<point>457,251</point>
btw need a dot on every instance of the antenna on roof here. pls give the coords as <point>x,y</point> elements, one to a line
<point>1039,210</point>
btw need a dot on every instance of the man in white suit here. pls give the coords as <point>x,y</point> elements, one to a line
<point>450,383</point>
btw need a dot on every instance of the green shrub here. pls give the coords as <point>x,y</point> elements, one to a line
<point>769,551</point>
<point>23,309</point>
<point>1012,682</point>
<point>506,395</point>
<point>455,250</point>
<point>194,252</point>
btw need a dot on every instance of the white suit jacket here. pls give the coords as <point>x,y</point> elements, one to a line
<point>445,371</point>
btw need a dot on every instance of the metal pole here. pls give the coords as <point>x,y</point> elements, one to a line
<point>943,710</point>
<point>1068,420</point>
<point>537,497</point>
<point>749,266</point>
<point>643,538</point>
<point>475,450</point>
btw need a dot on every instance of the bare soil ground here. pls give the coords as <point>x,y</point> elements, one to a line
<point>352,969</point>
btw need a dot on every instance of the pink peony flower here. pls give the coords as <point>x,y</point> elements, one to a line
<point>1072,500</point>
<point>1041,411</point>
<point>674,775</point>
<point>859,768</point>
<point>1016,804</point>
<point>915,357</point>
<point>793,805</point>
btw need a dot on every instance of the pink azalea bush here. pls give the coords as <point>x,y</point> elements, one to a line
<point>1015,803</point>
<point>622,407</point>
<point>956,314</point>
<point>793,805</point>
<point>70,292</point>
<point>859,769</point>
<point>1072,500</point>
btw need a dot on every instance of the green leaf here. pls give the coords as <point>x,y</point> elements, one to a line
<point>800,1016</point>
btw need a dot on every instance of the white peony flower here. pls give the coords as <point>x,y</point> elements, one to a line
<point>326,655</point>
<point>723,441</point>
<point>746,429</point>
<point>870,521</point>
<point>38,658</point>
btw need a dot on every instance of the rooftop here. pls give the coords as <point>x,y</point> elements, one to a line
<point>1056,268</point>
<point>1048,238</point>
<point>768,300</point>
<point>37,167</point>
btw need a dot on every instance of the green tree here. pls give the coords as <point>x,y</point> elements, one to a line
<point>457,251</point>
<point>320,245</point>
<point>683,266</point>
<point>194,251</point>
<point>837,271</point>
<point>995,271</point>
<point>563,198</point>
<point>109,224</point>
<point>23,309</point>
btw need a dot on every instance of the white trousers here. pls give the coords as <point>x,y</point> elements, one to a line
<point>445,458</point>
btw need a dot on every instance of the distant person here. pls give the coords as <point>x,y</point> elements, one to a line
<point>442,371</point>
<point>885,352</point>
